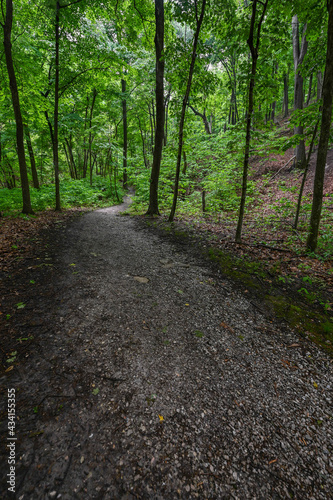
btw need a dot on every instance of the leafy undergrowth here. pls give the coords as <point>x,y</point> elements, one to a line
<point>73,193</point>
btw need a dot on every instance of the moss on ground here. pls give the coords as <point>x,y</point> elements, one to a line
<point>289,306</point>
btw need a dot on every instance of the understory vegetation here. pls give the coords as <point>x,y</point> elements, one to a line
<point>216,114</point>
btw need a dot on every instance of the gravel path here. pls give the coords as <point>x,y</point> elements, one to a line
<point>154,378</point>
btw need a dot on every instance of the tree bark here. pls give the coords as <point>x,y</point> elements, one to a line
<point>124,105</point>
<point>299,202</point>
<point>310,90</point>
<point>56,112</point>
<point>185,101</point>
<point>299,54</point>
<point>203,116</point>
<point>32,158</point>
<point>319,85</point>
<point>90,135</point>
<point>254,54</point>
<point>317,202</point>
<point>159,92</point>
<point>286,95</point>
<point>7,28</point>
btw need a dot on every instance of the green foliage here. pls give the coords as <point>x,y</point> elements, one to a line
<point>73,193</point>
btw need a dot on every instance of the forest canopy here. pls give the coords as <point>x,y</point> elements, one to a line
<point>173,98</point>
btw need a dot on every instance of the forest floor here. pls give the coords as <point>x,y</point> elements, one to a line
<point>144,369</point>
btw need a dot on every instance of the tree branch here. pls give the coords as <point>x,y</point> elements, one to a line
<point>69,4</point>
<point>65,87</point>
<point>260,23</point>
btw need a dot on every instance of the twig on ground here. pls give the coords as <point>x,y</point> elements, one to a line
<point>284,166</point>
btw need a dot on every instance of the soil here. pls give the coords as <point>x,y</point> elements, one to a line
<point>141,371</point>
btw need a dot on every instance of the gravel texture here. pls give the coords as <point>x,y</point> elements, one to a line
<point>152,376</point>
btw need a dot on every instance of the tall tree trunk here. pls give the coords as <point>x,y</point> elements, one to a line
<point>286,95</point>
<point>185,101</point>
<point>90,135</point>
<point>143,145</point>
<point>7,28</point>
<point>56,112</point>
<point>299,54</point>
<point>85,149</point>
<point>159,92</point>
<point>319,85</point>
<point>32,158</point>
<point>317,202</point>
<point>254,54</point>
<point>300,194</point>
<point>310,90</point>
<point>124,105</point>
<point>71,157</point>
<point>71,173</point>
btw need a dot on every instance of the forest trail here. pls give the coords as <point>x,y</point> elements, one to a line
<point>151,377</point>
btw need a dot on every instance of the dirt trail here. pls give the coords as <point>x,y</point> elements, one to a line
<point>152,377</point>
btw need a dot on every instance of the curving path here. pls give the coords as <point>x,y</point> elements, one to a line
<point>153,378</point>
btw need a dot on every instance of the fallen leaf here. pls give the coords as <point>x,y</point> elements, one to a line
<point>315,385</point>
<point>161,418</point>
<point>272,461</point>
<point>9,369</point>
<point>227,327</point>
<point>294,345</point>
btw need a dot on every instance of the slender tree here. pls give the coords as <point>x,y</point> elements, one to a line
<point>125,145</point>
<point>299,53</point>
<point>159,92</point>
<point>326,116</point>
<point>32,158</point>
<point>253,42</point>
<point>7,29</point>
<point>185,101</point>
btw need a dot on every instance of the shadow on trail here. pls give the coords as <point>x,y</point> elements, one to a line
<point>150,377</point>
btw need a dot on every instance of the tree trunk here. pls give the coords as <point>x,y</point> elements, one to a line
<point>298,209</point>
<point>124,104</point>
<point>71,173</point>
<point>85,150</point>
<point>32,158</point>
<point>312,240</point>
<point>159,92</point>
<point>56,112</point>
<point>71,158</point>
<point>319,85</point>
<point>185,163</point>
<point>90,135</point>
<point>143,145</point>
<point>185,101</point>
<point>299,54</point>
<point>204,119</point>
<point>7,27</point>
<point>254,54</point>
<point>286,95</point>
<point>310,90</point>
